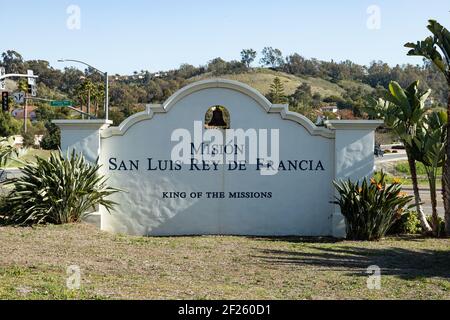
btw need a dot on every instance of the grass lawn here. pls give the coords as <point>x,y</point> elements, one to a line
<point>400,170</point>
<point>33,266</point>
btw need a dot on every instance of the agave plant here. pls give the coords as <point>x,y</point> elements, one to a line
<point>56,190</point>
<point>371,207</point>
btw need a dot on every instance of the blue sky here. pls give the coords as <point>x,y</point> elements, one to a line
<point>123,36</point>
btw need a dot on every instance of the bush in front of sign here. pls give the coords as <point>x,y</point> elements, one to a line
<point>56,190</point>
<point>409,223</point>
<point>371,207</point>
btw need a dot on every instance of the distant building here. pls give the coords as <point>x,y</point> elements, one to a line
<point>332,109</point>
<point>31,113</point>
<point>18,140</point>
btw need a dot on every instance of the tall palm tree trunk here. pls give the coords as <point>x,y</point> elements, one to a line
<point>422,217</point>
<point>431,173</point>
<point>446,173</point>
<point>96,106</point>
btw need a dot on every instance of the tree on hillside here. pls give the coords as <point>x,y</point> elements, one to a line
<point>70,80</point>
<point>379,74</point>
<point>217,66</point>
<point>248,56</point>
<point>154,92</point>
<point>49,76</point>
<point>303,95</point>
<point>187,71</point>
<point>436,48</point>
<point>276,94</point>
<point>22,85</point>
<point>298,65</point>
<point>13,62</point>
<point>271,57</point>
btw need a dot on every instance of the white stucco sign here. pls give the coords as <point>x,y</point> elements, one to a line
<point>219,158</point>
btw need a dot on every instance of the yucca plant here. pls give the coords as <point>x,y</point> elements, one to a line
<point>371,207</point>
<point>56,190</point>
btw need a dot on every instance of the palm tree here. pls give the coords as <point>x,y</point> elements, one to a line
<point>80,94</point>
<point>99,95</point>
<point>436,48</point>
<point>428,148</point>
<point>85,91</point>
<point>403,111</point>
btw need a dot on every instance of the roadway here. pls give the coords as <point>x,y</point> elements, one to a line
<point>390,159</point>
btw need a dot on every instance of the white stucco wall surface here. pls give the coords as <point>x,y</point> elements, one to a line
<point>300,201</point>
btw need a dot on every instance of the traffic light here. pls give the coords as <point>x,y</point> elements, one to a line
<point>5,101</point>
<point>32,90</point>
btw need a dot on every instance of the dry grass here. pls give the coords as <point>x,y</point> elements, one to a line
<point>261,79</point>
<point>33,265</point>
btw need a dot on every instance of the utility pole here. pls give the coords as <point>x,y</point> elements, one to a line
<point>25,115</point>
<point>106,96</point>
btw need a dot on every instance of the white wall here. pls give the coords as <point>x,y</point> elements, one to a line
<point>300,203</point>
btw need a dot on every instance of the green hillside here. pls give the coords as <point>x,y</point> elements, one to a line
<point>261,79</point>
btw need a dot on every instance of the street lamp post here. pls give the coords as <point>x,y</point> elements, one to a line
<point>105,74</point>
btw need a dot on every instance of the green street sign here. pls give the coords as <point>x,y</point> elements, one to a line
<point>62,103</point>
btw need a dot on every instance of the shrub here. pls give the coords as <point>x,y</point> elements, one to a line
<point>8,125</point>
<point>371,207</point>
<point>441,225</point>
<point>389,179</point>
<point>52,137</point>
<point>55,191</point>
<point>409,223</point>
<point>28,139</point>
